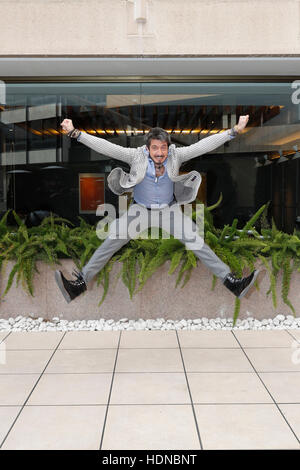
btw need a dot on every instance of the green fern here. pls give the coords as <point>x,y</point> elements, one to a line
<point>176,257</point>
<point>237,307</point>
<point>287,271</point>
<point>57,238</point>
<point>272,278</point>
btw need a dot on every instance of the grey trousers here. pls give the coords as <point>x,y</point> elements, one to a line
<point>137,220</point>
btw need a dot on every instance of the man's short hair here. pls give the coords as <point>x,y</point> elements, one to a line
<point>159,134</point>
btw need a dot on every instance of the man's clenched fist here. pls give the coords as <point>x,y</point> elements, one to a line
<point>67,125</point>
<point>242,123</point>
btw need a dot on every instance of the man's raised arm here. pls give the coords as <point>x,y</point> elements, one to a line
<point>99,145</point>
<point>210,143</point>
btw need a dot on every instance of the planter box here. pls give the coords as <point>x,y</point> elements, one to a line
<point>158,299</point>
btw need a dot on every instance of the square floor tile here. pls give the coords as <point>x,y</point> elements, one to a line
<point>215,360</point>
<point>25,362</point>
<point>14,389</point>
<point>71,389</point>
<point>263,338</point>
<point>4,334</point>
<point>150,427</point>
<point>292,414</point>
<point>149,360</point>
<point>90,340</point>
<point>273,359</point>
<point>207,339</point>
<point>148,339</point>
<point>294,333</point>
<point>283,386</point>
<point>82,360</point>
<point>7,417</point>
<point>243,427</point>
<point>57,427</point>
<point>227,387</point>
<point>33,339</point>
<point>150,388</point>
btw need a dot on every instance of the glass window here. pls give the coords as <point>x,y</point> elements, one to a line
<point>40,167</point>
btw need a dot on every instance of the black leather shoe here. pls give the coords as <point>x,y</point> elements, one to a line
<point>70,289</point>
<point>240,287</point>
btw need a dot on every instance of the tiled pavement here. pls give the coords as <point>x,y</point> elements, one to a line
<point>225,389</point>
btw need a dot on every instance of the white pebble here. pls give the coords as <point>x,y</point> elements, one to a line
<point>23,323</point>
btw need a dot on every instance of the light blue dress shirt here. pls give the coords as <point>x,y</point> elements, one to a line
<point>154,191</point>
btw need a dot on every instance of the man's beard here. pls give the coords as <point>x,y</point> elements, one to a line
<point>158,165</point>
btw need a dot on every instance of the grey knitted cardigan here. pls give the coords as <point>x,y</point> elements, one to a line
<point>185,186</point>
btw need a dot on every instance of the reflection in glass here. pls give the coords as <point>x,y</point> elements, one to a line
<point>245,170</point>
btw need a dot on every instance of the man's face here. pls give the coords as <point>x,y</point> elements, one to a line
<point>158,150</point>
